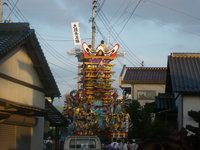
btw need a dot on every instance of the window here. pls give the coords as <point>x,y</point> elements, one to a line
<point>82,143</point>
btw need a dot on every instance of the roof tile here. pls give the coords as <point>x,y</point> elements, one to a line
<point>17,34</point>
<point>184,73</point>
<point>145,74</point>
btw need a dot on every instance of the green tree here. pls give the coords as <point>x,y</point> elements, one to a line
<point>140,119</point>
<point>142,124</point>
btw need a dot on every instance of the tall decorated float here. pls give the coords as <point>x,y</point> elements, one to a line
<point>94,108</point>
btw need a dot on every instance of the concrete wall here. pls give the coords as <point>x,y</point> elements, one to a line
<point>19,66</point>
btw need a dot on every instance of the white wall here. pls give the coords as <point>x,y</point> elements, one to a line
<point>19,66</point>
<point>159,88</point>
<point>190,103</point>
<point>37,135</point>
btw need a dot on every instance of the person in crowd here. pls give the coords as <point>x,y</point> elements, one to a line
<point>125,145</point>
<point>120,142</point>
<point>134,145</point>
<point>115,145</point>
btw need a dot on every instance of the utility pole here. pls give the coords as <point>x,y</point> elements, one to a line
<point>94,11</point>
<point>1,11</point>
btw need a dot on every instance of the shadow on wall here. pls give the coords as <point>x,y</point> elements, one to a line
<point>22,143</point>
<point>34,95</point>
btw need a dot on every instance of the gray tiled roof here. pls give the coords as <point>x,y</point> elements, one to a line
<point>183,73</point>
<point>13,35</point>
<point>164,101</point>
<point>54,116</point>
<point>145,74</point>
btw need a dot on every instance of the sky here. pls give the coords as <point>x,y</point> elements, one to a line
<point>147,30</point>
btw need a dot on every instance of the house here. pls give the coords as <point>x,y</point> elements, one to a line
<point>143,83</point>
<point>183,80</point>
<point>165,109</point>
<point>26,81</point>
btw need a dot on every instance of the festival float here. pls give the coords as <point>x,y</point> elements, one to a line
<point>94,108</point>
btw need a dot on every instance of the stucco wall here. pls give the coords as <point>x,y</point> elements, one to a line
<point>37,135</point>
<point>19,66</point>
<point>190,103</point>
<point>158,88</point>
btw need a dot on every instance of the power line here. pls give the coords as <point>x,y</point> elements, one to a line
<point>63,40</point>
<point>62,68</point>
<point>45,44</point>
<point>123,12</point>
<point>175,10</point>
<point>119,38</point>
<point>20,14</point>
<point>66,82</point>
<point>106,23</point>
<point>103,21</point>
<point>12,9</point>
<point>54,52</point>
<point>130,17</point>
<point>100,5</point>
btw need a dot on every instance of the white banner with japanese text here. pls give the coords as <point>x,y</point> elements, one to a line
<point>76,33</point>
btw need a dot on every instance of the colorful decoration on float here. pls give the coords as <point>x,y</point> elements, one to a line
<point>96,107</point>
<point>101,50</point>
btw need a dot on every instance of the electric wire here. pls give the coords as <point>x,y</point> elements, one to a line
<point>23,18</point>
<point>12,9</point>
<point>115,34</point>
<point>175,10</point>
<point>122,17</point>
<point>124,12</point>
<point>100,5</point>
<point>137,5</point>
<point>63,40</point>
<point>48,47</point>
<point>118,10</point>
<point>63,80</point>
<point>62,67</point>
<point>54,52</point>
<point>18,11</point>
<point>54,40</point>
<point>104,38</point>
<point>106,23</point>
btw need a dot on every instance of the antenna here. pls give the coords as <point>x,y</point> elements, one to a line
<point>94,11</point>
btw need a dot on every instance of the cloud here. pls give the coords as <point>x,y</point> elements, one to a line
<point>157,27</point>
